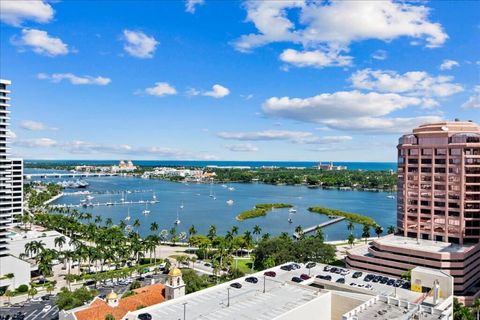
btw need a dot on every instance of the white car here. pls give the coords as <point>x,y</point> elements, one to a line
<point>47,308</point>
<point>36,299</point>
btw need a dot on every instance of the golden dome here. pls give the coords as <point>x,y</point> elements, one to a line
<point>112,296</point>
<point>175,272</point>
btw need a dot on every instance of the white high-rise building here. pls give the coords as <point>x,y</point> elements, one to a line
<point>11,199</point>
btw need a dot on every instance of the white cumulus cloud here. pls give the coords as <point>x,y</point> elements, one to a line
<point>243,147</point>
<point>73,79</point>
<point>315,58</point>
<point>14,12</point>
<point>161,89</point>
<point>138,44</point>
<point>415,83</point>
<point>32,125</point>
<point>301,137</point>
<point>380,55</point>
<point>473,101</point>
<point>190,5</point>
<point>218,91</point>
<point>41,42</point>
<point>448,64</point>
<point>334,25</point>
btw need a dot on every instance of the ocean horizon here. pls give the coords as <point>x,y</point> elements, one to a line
<point>378,166</point>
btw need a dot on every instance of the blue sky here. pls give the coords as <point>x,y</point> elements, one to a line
<point>289,80</point>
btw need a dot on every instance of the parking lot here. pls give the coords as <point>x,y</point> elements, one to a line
<point>352,280</point>
<point>38,308</point>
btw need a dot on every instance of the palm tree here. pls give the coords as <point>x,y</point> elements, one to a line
<point>9,294</point>
<point>109,222</point>
<point>212,232</point>
<point>391,230</point>
<point>153,227</point>
<point>234,231</point>
<point>192,231</point>
<point>378,230</point>
<point>256,231</point>
<point>350,227</point>
<point>299,232</point>
<point>136,224</point>
<point>32,291</point>
<point>266,236</point>
<point>476,308</point>
<point>50,287</point>
<point>98,219</point>
<point>247,238</point>
<point>366,232</point>
<point>351,240</point>
<point>59,242</point>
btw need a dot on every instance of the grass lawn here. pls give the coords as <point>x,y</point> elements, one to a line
<point>244,265</point>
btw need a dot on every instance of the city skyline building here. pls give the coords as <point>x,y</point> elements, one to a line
<point>438,208</point>
<point>11,197</point>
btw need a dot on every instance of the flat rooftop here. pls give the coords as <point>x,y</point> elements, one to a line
<point>281,296</point>
<point>248,302</point>
<point>423,245</point>
<point>17,242</point>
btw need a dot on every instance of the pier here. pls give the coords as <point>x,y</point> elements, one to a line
<point>68,175</point>
<point>103,204</point>
<point>319,226</point>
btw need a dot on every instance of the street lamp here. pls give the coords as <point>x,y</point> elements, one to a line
<point>185,310</point>
<point>264,280</point>
<point>228,297</point>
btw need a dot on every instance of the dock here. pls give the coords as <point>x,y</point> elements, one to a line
<point>103,204</point>
<point>319,226</point>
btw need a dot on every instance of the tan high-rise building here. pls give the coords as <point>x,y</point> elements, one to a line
<point>438,209</point>
<point>439,183</point>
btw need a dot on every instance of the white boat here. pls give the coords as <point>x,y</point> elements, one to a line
<point>177,221</point>
<point>390,196</point>
<point>290,217</point>
<point>224,186</point>
<point>182,206</point>
<point>292,210</point>
<point>90,198</point>
<point>146,212</point>
<point>231,189</point>
<point>109,203</point>
<point>211,193</point>
<point>214,196</point>
<point>127,218</point>
<point>230,202</point>
<point>154,197</point>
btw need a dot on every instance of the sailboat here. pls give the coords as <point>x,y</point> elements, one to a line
<point>182,206</point>
<point>146,212</point>
<point>211,192</point>
<point>177,221</point>
<point>127,218</point>
<point>390,196</point>
<point>154,197</point>
<point>290,217</point>
<point>122,199</point>
<point>214,196</point>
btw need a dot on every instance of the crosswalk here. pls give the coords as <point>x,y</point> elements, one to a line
<point>39,314</point>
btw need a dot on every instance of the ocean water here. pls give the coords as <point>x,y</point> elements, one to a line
<point>201,210</point>
<point>253,164</point>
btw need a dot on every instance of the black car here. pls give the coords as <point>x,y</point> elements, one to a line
<point>310,265</point>
<point>357,274</point>
<point>287,267</point>
<point>368,277</point>
<point>295,266</point>
<point>251,279</point>
<point>141,278</point>
<point>297,279</point>
<point>89,283</point>
<point>406,285</point>
<point>390,282</point>
<point>326,268</point>
<point>383,280</point>
<point>236,285</point>
<point>398,283</point>
<point>145,316</point>
<point>328,277</point>
<point>333,270</point>
<point>377,279</point>
<point>340,280</point>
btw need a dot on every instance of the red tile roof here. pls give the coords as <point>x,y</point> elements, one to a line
<point>144,297</point>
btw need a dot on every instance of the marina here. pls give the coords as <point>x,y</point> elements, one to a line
<point>203,205</point>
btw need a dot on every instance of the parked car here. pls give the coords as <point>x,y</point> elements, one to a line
<point>295,266</point>
<point>406,285</point>
<point>304,276</point>
<point>333,269</point>
<point>384,280</point>
<point>369,277</point>
<point>46,308</point>
<point>310,265</point>
<point>144,316</point>
<point>287,267</point>
<point>357,274</point>
<point>326,268</point>
<point>390,282</point>
<point>377,279</point>
<point>340,280</point>
<point>297,279</point>
<point>36,299</point>
<point>272,274</point>
<point>251,279</point>
<point>236,285</point>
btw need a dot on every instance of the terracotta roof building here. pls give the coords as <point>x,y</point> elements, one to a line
<point>98,309</point>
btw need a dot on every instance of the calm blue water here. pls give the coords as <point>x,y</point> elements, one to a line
<point>254,164</point>
<point>202,211</point>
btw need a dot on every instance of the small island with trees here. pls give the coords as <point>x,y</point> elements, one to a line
<point>353,217</point>
<point>261,210</point>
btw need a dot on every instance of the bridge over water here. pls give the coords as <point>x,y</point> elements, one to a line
<point>318,226</point>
